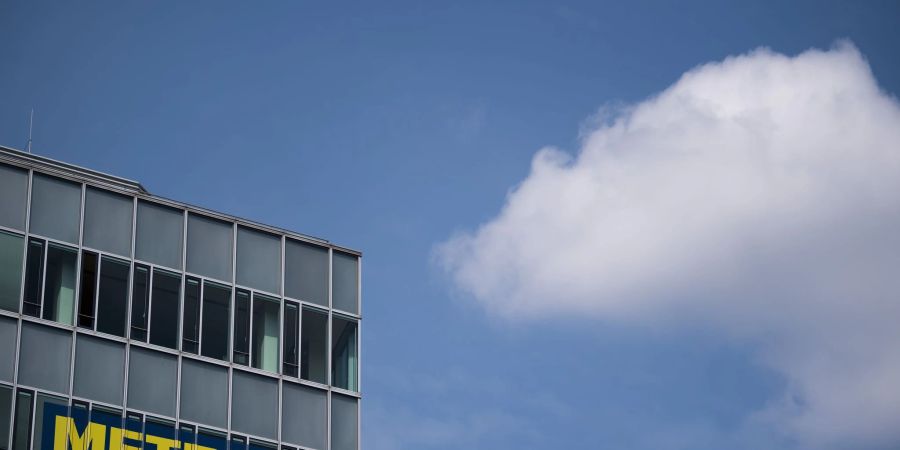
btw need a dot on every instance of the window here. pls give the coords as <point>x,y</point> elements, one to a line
<point>22,425</point>
<point>88,290</point>
<point>190,331</point>
<point>216,302</point>
<point>344,422</point>
<point>258,260</point>
<point>254,404</point>
<point>209,247</point>
<point>6,407</point>
<point>45,357</point>
<point>107,221</point>
<point>152,381</point>
<point>164,309</point>
<point>212,439</point>
<point>264,353</point>
<point>50,405</point>
<point>13,196</point>
<point>9,330</point>
<point>59,285</point>
<point>314,346</point>
<point>140,302</point>
<point>291,327</point>
<point>99,369</point>
<point>345,283</point>
<point>11,249</point>
<point>242,328</point>
<point>187,435</point>
<point>55,208</point>
<point>304,415</point>
<point>112,304</point>
<point>344,353</point>
<point>204,393</point>
<point>306,272</point>
<point>160,231</point>
<point>34,278</point>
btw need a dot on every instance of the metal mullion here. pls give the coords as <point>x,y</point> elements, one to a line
<point>96,292</point>
<point>328,350</point>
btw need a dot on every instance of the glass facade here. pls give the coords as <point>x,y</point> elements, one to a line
<point>127,319</point>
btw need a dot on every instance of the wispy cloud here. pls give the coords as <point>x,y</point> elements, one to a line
<point>760,194</point>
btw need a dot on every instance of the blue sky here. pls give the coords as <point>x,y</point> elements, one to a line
<point>390,127</point>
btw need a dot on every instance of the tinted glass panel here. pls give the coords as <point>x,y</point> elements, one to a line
<point>291,338</point>
<point>107,221</point>
<point>34,278</point>
<point>204,393</point>
<point>152,381</point>
<point>265,333</point>
<point>212,439</point>
<point>344,423</point>
<point>6,408</point>
<point>242,328</point>
<point>87,292</point>
<point>112,307</point>
<point>254,404</point>
<point>304,416</point>
<point>258,260</point>
<point>216,300</point>
<point>46,409</point>
<point>12,248</point>
<point>55,208</point>
<point>345,278</point>
<point>9,328</point>
<point>164,309</point>
<point>13,195</point>
<point>306,272</point>
<point>140,302</point>
<point>59,285</point>
<point>314,346</point>
<point>209,247</point>
<point>22,426</point>
<point>159,235</point>
<point>344,354</point>
<point>99,369</point>
<point>44,357</point>
<point>190,333</point>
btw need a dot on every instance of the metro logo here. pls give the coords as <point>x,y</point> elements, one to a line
<point>64,432</point>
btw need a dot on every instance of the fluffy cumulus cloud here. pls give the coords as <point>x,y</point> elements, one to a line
<point>759,195</point>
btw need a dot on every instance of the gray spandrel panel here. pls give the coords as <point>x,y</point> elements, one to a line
<point>99,369</point>
<point>44,357</point>
<point>8,330</point>
<point>13,196</point>
<point>258,260</point>
<point>152,381</point>
<point>107,221</point>
<point>160,235</point>
<point>254,404</point>
<point>344,422</point>
<point>306,272</point>
<point>344,282</point>
<point>304,413</point>
<point>204,393</point>
<point>209,247</point>
<point>55,208</point>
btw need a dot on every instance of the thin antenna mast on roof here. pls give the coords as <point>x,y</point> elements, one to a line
<point>30,127</point>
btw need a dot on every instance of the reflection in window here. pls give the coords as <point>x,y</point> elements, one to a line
<point>164,309</point>
<point>140,302</point>
<point>88,290</point>
<point>314,346</point>
<point>242,328</point>
<point>11,247</point>
<point>112,303</point>
<point>344,353</point>
<point>190,331</point>
<point>291,326</point>
<point>216,299</point>
<point>265,333</point>
<point>34,278</point>
<point>59,286</point>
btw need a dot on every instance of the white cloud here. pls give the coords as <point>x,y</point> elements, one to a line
<point>760,194</point>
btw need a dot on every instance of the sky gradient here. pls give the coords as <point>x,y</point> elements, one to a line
<point>392,127</point>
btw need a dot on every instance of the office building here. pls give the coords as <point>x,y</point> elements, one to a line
<point>130,321</point>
